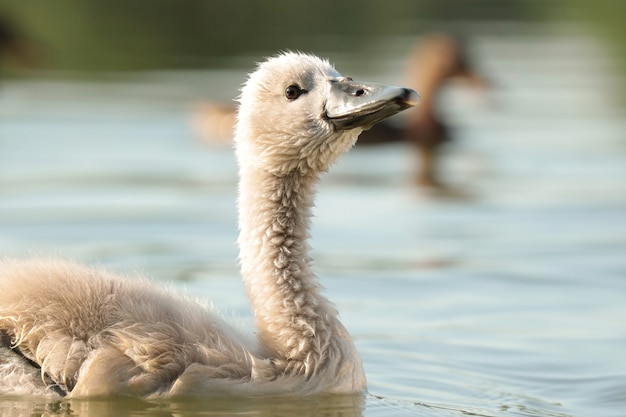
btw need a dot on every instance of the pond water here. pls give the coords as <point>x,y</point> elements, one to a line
<point>506,299</point>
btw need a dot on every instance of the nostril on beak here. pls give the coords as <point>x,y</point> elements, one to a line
<point>359,92</point>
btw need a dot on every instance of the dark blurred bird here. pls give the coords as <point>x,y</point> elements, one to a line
<point>15,45</point>
<point>435,60</point>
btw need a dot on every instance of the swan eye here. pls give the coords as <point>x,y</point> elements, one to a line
<point>293,92</point>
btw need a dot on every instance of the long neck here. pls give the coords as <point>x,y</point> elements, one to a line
<point>296,324</point>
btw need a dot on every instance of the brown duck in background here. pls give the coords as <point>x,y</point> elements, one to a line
<point>16,47</point>
<point>435,60</point>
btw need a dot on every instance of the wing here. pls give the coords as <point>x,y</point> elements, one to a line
<point>87,332</point>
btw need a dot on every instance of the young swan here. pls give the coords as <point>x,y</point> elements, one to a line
<point>67,329</point>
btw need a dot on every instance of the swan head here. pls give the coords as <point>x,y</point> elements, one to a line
<point>297,112</point>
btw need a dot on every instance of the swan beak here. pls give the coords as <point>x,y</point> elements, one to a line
<point>353,104</point>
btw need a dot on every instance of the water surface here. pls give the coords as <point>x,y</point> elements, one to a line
<point>506,300</point>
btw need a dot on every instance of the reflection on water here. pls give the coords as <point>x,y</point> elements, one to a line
<point>331,406</point>
<point>509,302</point>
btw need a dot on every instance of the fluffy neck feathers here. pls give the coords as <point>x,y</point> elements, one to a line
<point>294,320</point>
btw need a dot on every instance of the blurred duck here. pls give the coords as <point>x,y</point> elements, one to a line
<point>435,60</point>
<point>215,122</point>
<point>15,46</point>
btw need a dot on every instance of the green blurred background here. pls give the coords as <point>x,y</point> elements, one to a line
<point>87,36</point>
